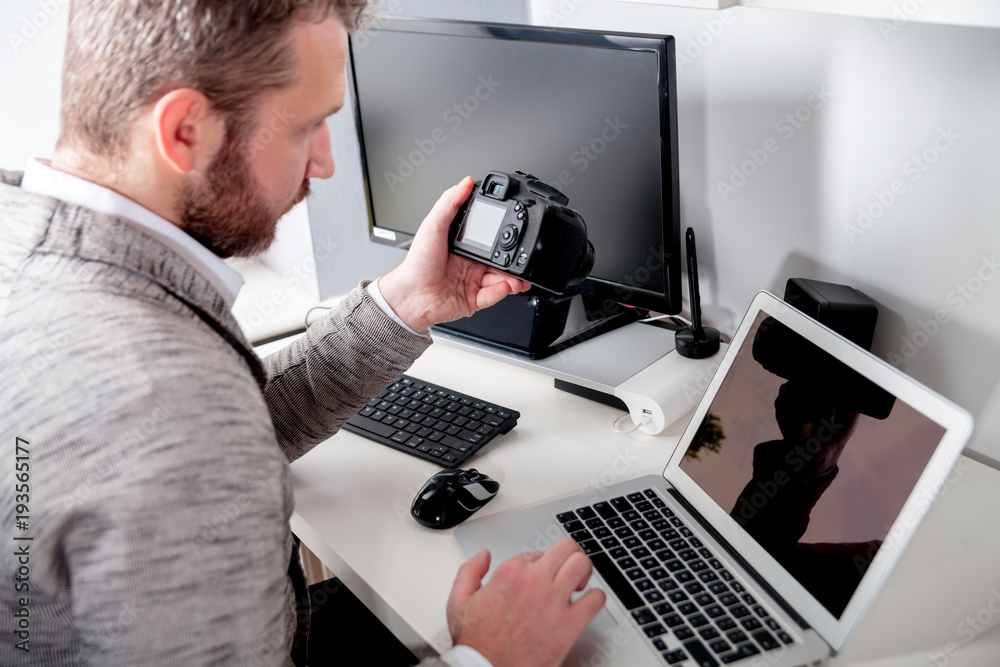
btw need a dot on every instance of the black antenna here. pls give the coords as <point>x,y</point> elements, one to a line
<point>695,341</point>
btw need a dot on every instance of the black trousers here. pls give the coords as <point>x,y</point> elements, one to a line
<point>343,631</point>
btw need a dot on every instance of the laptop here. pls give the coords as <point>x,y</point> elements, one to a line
<point>802,475</point>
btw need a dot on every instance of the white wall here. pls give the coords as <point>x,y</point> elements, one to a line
<point>890,94</point>
<point>912,105</point>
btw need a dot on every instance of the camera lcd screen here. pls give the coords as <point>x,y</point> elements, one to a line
<point>482,224</point>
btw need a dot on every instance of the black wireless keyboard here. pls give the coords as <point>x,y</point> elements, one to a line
<point>432,422</point>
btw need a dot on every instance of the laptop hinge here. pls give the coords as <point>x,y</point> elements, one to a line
<point>759,580</point>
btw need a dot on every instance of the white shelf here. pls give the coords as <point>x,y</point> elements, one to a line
<point>980,13</point>
<point>696,4</point>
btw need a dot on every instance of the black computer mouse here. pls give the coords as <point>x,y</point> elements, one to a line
<point>452,496</point>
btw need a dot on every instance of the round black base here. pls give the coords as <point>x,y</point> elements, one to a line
<point>697,347</point>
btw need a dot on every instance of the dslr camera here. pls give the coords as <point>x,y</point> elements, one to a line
<point>519,225</point>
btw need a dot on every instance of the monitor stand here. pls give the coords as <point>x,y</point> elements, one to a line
<point>538,325</point>
<point>584,363</point>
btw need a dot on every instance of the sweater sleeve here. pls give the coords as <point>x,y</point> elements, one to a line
<point>319,381</point>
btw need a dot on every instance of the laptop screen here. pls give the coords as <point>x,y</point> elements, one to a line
<point>813,460</point>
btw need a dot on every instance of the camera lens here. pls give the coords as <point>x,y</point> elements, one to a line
<point>584,265</point>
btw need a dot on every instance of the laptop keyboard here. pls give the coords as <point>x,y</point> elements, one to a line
<point>672,583</point>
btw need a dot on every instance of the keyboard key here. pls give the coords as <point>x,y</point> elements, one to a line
<point>737,636</point>
<point>605,510</point>
<point>720,646</point>
<point>662,608</point>
<point>643,616</point>
<point>726,624</point>
<point>766,640</point>
<point>586,513</point>
<point>616,581</point>
<point>373,425</point>
<point>621,504</point>
<point>700,654</point>
<point>644,585</point>
<point>640,552</point>
<point>715,611</point>
<point>654,630</point>
<point>675,656</point>
<point>683,632</point>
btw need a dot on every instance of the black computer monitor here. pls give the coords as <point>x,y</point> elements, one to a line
<point>591,113</point>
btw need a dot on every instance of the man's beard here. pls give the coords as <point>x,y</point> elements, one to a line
<point>226,214</point>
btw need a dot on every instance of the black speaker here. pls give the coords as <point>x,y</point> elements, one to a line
<point>840,307</point>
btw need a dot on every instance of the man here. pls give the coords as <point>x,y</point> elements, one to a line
<point>152,494</point>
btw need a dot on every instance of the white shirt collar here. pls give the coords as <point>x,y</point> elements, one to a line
<point>42,179</point>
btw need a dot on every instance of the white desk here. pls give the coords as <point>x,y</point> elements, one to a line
<point>352,510</point>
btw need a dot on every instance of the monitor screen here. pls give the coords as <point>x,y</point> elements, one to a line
<point>592,114</point>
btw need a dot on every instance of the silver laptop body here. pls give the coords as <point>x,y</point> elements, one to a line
<point>802,475</point>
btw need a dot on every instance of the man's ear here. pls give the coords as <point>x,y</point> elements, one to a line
<point>187,133</point>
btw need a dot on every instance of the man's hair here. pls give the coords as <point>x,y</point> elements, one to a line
<point>122,55</point>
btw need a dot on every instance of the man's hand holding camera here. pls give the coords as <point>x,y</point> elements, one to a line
<point>432,286</point>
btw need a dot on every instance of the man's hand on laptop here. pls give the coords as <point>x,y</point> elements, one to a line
<point>523,617</point>
<point>432,286</point>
